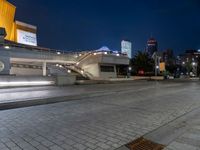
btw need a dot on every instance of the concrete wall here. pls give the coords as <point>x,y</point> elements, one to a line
<point>107,59</point>
<point>112,59</point>
<point>65,80</point>
<point>25,71</point>
<point>53,70</point>
<point>92,69</point>
<point>6,62</point>
<point>106,75</point>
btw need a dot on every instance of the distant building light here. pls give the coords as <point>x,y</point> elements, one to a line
<point>95,53</point>
<point>58,53</point>
<point>57,65</point>
<point>7,47</point>
<point>129,68</point>
<point>193,63</point>
<point>157,67</point>
<point>183,63</point>
<point>117,54</point>
<point>69,71</point>
<point>77,63</point>
<point>80,54</point>
<point>60,66</point>
<point>82,71</point>
<point>105,53</point>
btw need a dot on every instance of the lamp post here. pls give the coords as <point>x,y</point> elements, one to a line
<point>157,62</point>
<point>194,65</point>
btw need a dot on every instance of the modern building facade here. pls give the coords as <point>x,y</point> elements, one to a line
<point>152,46</point>
<point>16,31</point>
<point>126,48</point>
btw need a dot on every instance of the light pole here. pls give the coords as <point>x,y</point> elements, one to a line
<point>194,64</point>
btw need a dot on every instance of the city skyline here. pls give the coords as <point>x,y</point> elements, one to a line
<point>78,25</point>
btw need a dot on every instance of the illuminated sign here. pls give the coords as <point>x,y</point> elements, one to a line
<point>162,66</point>
<point>26,38</point>
<point>126,47</point>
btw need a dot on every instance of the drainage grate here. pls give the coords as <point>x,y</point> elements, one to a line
<point>144,144</point>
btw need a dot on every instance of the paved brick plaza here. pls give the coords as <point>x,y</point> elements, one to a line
<point>104,122</point>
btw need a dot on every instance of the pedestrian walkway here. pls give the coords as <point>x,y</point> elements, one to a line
<point>103,122</point>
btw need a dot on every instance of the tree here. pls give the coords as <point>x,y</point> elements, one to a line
<point>142,61</point>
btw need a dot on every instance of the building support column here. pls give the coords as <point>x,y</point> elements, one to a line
<point>44,68</point>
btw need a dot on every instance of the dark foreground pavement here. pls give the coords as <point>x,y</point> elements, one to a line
<point>118,114</point>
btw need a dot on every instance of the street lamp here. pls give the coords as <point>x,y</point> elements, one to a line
<point>194,64</point>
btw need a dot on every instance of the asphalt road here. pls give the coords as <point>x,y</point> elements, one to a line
<point>106,122</point>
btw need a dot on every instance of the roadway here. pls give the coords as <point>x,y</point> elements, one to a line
<point>105,121</point>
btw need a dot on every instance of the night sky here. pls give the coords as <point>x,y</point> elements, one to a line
<point>90,24</point>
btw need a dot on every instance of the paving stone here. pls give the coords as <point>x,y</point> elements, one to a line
<point>103,123</point>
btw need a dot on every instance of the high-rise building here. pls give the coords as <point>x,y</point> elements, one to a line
<point>168,56</point>
<point>152,46</point>
<point>126,48</point>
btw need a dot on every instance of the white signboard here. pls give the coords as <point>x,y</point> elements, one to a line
<point>126,47</point>
<point>26,38</point>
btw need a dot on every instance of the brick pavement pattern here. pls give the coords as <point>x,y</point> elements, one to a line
<point>101,123</point>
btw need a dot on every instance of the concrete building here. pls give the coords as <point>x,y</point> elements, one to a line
<point>103,64</point>
<point>19,59</point>
<point>20,55</point>
<point>16,31</point>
